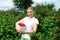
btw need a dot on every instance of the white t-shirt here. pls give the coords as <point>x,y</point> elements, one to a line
<point>29,25</point>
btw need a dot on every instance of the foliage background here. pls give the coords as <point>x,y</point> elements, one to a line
<point>48,29</point>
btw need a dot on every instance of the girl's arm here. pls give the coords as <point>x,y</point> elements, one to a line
<point>17,25</point>
<point>31,31</point>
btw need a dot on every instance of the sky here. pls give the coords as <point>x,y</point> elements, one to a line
<point>55,2</point>
<point>7,4</point>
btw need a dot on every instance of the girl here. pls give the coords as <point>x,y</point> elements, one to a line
<point>31,24</point>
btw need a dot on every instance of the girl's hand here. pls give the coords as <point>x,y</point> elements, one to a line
<point>22,32</point>
<point>19,30</point>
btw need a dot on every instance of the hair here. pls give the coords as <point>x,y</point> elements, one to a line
<point>30,8</point>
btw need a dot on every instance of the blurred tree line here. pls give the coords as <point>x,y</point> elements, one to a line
<point>48,29</point>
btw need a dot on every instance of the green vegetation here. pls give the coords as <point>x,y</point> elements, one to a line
<point>48,29</point>
<point>23,4</point>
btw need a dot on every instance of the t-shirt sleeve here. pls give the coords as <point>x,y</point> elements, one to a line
<point>36,21</point>
<point>24,18</point>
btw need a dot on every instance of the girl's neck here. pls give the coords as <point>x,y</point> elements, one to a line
<point>30,16</point>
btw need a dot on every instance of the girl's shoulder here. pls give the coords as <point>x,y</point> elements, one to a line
<point>35,18</point>
<point>25,17</point>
